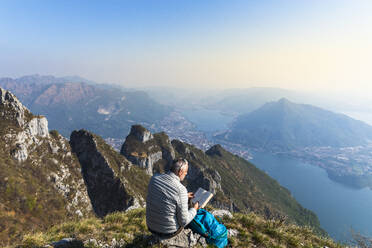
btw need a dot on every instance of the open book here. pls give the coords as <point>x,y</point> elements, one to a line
<point>202,196</point>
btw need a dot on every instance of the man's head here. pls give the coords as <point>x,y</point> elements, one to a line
<point>180,167</point>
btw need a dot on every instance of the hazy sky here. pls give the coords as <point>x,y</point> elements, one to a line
<point>289,44</point>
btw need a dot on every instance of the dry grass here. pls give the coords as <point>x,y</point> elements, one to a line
<point>254,231</point>
<point>121,226</point>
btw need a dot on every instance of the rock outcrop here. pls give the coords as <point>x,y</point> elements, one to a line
<point>37,171</point>
<point>108,175</point>
<point>32,134</point>
<point>12,108</point>
<point>30,130</point>
<point>154,153</point>
<point>199,175</point>
<point>141,133</point>
<point>184,239</point>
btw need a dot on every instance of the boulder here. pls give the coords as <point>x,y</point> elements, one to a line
<point>184,239</point>
<point>68,243</point>
<point>221,213</point>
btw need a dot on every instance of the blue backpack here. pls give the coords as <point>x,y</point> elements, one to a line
<point>206,225</point>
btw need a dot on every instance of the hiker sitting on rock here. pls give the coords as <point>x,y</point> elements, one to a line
<point>167,210</point>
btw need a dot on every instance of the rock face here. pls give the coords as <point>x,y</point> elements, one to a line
<point>37,171</point>
<point>12,107</point>
<point>31,128</point>
<point>198,175</point>
<point>148,151</point>
<point>104,173</point>
<point>141,133</point>
<point>33,132</point>
<point>38,127</point>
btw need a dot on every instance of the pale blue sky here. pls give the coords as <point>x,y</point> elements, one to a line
<point>307,45</point>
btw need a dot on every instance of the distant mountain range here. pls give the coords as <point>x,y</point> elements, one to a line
<point>284,125</point>
<point>72,103</point>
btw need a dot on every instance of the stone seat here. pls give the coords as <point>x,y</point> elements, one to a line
<point>186,238</point>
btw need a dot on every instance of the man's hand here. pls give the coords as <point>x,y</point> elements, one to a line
<point>196,206</point>
<point>190,195</point>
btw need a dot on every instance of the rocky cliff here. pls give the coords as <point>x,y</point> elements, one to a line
<point>40,180</point>
<point>113,183</point>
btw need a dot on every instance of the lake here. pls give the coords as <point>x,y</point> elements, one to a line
<point>338,207</point>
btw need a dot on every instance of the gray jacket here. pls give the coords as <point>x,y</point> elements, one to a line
<point>167,204</point>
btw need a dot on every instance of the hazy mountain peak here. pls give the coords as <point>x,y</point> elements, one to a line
<point>286,125</point>
<point>284,101</point>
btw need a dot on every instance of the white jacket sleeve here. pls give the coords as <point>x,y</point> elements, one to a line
<point>184,214</point>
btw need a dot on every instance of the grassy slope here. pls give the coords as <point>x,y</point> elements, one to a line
<point>253,231</point>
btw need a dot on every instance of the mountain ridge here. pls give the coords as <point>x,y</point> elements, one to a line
<point>283,125</point>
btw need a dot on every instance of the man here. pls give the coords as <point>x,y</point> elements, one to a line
<point>167,209</point>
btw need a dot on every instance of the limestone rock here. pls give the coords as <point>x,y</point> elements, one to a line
<point>184,239</point>
<point>221,213</point>
<point>20,152</point>
<point>141,133</point>
<point>30,128</point>
<point>232,233</point>
<point>107,188</point>
<point>38,126</point>
<point>148,151</point>
<point>146,162</point>
<point>14,109</point>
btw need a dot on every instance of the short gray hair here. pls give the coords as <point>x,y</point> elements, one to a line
<point>178,165</point>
